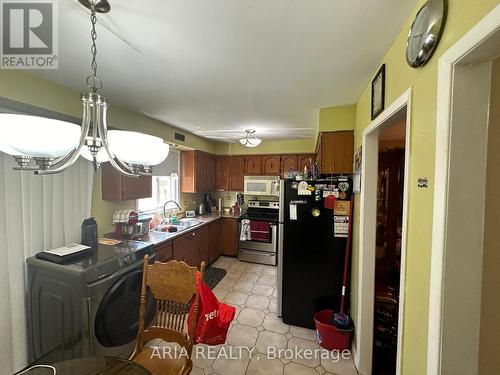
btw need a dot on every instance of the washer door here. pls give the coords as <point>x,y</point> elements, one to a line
<point>116,321</point>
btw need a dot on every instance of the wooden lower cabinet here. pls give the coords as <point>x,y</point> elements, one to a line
<point>203,245</point>
<point>214,241</point>
<point>229,237</point>
<point>164,252</point>
<point>192,247</point>
<point>187,249</point>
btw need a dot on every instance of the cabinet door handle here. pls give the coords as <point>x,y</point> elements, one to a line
<point>194,234</point>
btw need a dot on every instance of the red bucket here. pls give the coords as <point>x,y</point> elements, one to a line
<point>329,336</point>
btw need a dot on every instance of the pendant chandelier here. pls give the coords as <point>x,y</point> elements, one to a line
<point>250,140</point>
<point>55,145</point>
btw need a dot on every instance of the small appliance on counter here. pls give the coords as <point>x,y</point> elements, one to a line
<point>129,224</point>
<point>208,202</point>
<point>89,232</point>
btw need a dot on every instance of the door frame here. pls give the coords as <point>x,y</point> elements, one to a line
<point>443,231</point>
<point>363,355</point>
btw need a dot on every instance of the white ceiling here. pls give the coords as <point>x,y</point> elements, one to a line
<point>217,67</point>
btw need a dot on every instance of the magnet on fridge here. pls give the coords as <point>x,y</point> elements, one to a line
<point>295,185</point>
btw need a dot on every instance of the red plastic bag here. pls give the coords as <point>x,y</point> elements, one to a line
<point>215,317</point>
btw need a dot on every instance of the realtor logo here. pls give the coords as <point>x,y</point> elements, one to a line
<point>28,34</point>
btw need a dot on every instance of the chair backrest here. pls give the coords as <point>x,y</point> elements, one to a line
<point>173,286</point>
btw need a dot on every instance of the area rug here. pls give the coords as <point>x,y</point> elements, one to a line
<point>213,276</point>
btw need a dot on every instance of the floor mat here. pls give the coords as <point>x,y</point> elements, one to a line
<point>213,276</point>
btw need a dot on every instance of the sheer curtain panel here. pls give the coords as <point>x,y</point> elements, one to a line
<point>36,213</point>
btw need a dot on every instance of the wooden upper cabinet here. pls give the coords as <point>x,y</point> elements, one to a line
<point>237,173</point>
<point>288,162</point>
<point>253,165</point>
<point>197,172</point>
<point>337,152</point>
<point>271,165</point>
<point>117,187</point>
<point>305,160</point>
<point>222,173</point>
<point>211,172</point>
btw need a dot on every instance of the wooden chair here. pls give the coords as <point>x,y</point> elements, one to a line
<point>173,286</point>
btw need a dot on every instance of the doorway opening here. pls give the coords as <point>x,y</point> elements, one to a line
<point>463,306</point>
<point>382,240</point>
<point>390,188</point>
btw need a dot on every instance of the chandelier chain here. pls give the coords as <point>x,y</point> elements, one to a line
<point>93,81</point>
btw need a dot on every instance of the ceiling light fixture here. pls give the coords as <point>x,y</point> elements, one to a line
<point>250,140</point>
<point>56,145</point>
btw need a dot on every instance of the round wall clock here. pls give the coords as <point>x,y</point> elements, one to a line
<point>425,33</point>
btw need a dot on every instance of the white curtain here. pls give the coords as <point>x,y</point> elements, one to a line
<point>36,213</point>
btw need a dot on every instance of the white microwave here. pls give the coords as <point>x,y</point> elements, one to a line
<point>262,185</point>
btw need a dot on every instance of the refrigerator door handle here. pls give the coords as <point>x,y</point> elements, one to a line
<point>280,265</point>
<point>282,201</point>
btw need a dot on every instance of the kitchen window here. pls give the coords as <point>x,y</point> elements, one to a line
<point>165,185</point>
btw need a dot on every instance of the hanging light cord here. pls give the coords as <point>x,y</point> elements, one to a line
<point>93,81</point>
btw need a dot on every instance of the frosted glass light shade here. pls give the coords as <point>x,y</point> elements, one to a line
<point>137,148</point>
<point>251,142</point>
<point>102,157</point>
<point>4,147</point>
<point>39,136</point>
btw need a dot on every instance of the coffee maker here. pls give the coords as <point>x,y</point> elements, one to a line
<point>207,202</point>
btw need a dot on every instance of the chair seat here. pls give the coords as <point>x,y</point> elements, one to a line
<point>157,365</point>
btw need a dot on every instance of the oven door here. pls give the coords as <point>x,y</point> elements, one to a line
<point>262,246</point>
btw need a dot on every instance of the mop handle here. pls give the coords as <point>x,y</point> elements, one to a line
<point>347,254</point>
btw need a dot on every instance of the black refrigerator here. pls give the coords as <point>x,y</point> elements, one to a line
<point>312,247</point>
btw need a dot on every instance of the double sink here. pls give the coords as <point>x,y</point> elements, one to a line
<point>184,224</point>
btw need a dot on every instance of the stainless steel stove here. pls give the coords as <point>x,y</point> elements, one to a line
<point>262,246</point>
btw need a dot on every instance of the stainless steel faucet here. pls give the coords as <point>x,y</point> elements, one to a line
<point>165,208</point>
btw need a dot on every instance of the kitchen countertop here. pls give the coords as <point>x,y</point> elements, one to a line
<point>157,238</point>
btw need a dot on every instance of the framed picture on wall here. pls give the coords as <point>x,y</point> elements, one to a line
<point>378,92</point>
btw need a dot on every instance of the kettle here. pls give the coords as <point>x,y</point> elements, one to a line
<point>89,232</point>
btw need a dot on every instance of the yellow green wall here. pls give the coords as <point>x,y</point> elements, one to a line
<point>337,118</point>
<point>30,89</point>
<point>268,147</point>
<point>462,15</point>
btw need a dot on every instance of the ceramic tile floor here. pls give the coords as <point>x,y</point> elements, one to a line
<point>251,288</point>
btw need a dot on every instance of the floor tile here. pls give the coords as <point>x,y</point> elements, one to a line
<point>304,333</point>
<point>274,323</point>
<point>266,280</point>
<point>339,365</point>
<point>273,306</point>
<point>261,365</point>
<point>236,298</point>
<point>242,335</point>
<point>251,317</point>
<point>220,293</point>
<point>243,286</point>
<point>269,271</point>
<point>249,277</point>
<point>203,356</point>
<point>233,365</point>
<point>301,345</point>
<point>297,369</point>
<point>197,371</point>
<point>268,339</point>
<point>238,267</point>
<point>257,302</point>
<point>226,283</point>
<point>263,290</point>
